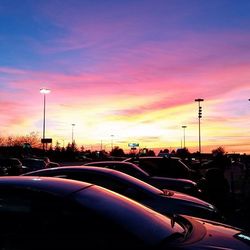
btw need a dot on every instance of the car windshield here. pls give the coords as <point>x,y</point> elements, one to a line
<point>146,224</point>
<point>31,163</point>
<point>125,167</point>
<point>138,183</point>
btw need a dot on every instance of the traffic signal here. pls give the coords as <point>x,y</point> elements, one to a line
<point>200,112</point>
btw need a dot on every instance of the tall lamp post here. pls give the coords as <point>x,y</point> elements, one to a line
<point>199,100</point>
<point>44,91</point>
<point>184,136</point>
<point>73,125</point>
<point>112,142</point>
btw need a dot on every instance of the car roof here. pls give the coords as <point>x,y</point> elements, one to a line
<point>99,169</point>
<point>57,186</point>
<point>10,159</point>
<point>170,179</point>
<point>32,159</point>
<point>110,172</point>
<point>111,162</point>
<point>127,163</point>
<point>155,157</point>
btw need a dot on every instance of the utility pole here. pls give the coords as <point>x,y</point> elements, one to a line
<point>44,91</point>
<point>199,100</point>
<point>184,136</point>
<point>73,125</point>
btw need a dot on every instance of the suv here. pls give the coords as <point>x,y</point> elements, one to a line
<point>10,166</point>
<point>171,167</point>
<point>181,185</point>
<point>33,164</point>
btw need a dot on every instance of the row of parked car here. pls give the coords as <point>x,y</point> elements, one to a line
<point>15,166</point>
<point>113,205</point>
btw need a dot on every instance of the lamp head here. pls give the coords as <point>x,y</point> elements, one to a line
<point>199,100</point>
<point>44,91</point>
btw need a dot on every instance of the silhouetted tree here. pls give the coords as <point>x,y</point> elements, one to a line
<point>57,147</point>
<point>146,152</point>
<point>151,153</point>
<point>183,153</point>
<point>143,151</point>
<point>33,139</point>
<point>10,141</point>
<point>218,151</point>
<point>116,151</point>
<point>165,151</point>
<point>220,159</point>
<point>173,152</point>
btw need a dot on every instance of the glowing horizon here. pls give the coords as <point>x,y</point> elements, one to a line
<point>131,69</point>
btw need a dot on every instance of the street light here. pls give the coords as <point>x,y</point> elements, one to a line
<point>44,91</point>
<point>112,142</point>
<point>73,125</point>
<point>184,134</point>
<point>199,100</point>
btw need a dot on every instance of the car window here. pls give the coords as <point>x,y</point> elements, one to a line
<point>110,183</point>
<point>153,167</point>
<point>128,169</point>
<point>164,167</point>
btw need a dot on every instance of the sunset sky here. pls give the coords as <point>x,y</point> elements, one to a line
<point>127,71</point>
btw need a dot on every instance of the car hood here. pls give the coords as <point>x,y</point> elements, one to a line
<point>180,185</point>
<point>178,180</point>
<point>212,235</point>
<point>185,197</point>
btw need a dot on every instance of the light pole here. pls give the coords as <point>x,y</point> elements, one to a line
<point>199,100</point>
<point>101,146</point>
<point>44,91</point>
<point>73,125</point>
<point>112,142</point>
<point>184,139</point>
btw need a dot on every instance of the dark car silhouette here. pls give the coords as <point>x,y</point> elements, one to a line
<point>167,202</point>
<point>177,184</point>
<point>172,167</point>
<point>33,164</point>
<point>11,166</point>
<point>54,213</point>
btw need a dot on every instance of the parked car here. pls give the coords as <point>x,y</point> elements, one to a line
<point>11,166</point>
<point>33,164</point>
<point>53,213</point>
<point>181,185</point>
<point>167,202</point>
<point>172,167</point>
<point>50,164</point>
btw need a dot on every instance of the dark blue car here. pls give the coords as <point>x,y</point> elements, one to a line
<point>53,213</point>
